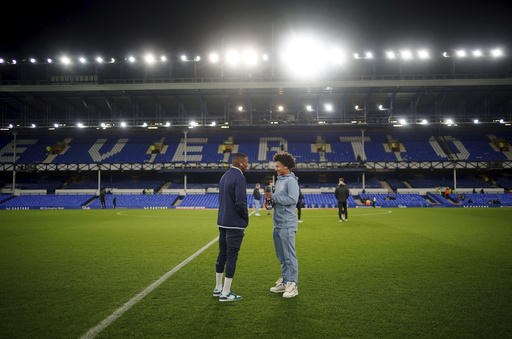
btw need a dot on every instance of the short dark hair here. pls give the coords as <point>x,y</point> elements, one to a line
<point>238,158</point>
<point>285,159</point>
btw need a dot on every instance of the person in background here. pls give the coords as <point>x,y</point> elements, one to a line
<point>284,218</point>
<point>268,193</point>
<point>342,193</point>
<point>232,220</point>
<point>114,202</point>
<point>257,196</point>
<point>299,206</point>
<point>103,199</point>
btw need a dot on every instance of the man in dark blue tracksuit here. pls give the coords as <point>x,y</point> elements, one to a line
<point>232,220</point>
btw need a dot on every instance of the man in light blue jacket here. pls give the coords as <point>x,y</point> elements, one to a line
<point>285,224</point>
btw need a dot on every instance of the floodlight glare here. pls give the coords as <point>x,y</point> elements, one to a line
<point>476,121</point>
<point>424,122</point>
<point>232,57</point>
<point>390,55</point>
<point>167,124</point>
<point>56,125</point>
<point>32,61</point>
<point>163,58</point>
<point>461,53</point>
<point>477,53</point>
<point>131,59</point>
<point>369,55</point>
<point>309,108</point>
<point>328,107</point>
<point>280,108</point>
<point>82,60</point>
<point>33,125</point>
<point>213,124</point>
<point>184,58</point>
<point>304,56</point>
<point>335,56</point>
<point>214,57</point>
<point>402,121</point>
<point>2,60</point>
<point>449,121</point>
<point>123,124</point>
<point>497,52</point>
<point>423,54</point>
<point>240,108</point>
<point>406,55</point>
<point>80,125</point>
<point>149,58</point>
<point>65,60</point>
<point>99,60</point>
<point>264,57</point>
<point>250,57</point>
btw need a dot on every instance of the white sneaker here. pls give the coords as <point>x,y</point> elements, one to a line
<point>279,288</point>
<point>291,290</point>
<point>300,220</point>
<point>340,220</point>
<point>257,214</point>
<point>343,218</point>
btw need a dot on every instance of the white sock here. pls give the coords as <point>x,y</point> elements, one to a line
<point>227,285</point>
<point>218,280</point>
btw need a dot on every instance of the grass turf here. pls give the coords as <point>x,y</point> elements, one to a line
<point>385,273</point>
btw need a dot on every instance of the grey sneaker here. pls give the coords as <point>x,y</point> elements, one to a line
<point>291,290</point>
<point>279,288</point>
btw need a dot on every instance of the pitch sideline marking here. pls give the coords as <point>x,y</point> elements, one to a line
<point>120,311</point>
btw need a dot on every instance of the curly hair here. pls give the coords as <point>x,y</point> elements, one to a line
<point>285,159</point>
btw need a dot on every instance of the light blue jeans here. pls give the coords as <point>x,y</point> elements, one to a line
<point>284,243</point>
<point>257,206</point>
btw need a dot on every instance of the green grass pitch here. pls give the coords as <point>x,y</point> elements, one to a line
<point>385,273</point>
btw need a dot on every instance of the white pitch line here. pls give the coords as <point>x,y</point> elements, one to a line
<point>120,311</point>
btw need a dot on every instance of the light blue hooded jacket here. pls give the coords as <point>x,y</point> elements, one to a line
<point>285,200</point>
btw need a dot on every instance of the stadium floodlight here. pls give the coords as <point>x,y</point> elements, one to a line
<point>56,125</point>
<point>82,60</point>
<point>304,56</point>
<point>368,55</point>
<point>11,126</point>
<point>449,122</point>
<point>502,121</point>
<point>33,125</point>
<point>193,124</point>
<point>476,121</point>
<point>402,121</point>
<point>183,58</point>
<point>240,108</point>
<point>477,53</point>
<point>424,122</point>
<point>250,57</point>
<point>406,55</point>
<point>423,54</point>
<point>309,108</point>
<point>233,58</point>
<point>49,60</point>
<point>163,58</point>
<point>123,124</point>
<point>99,60</point>
<point>145,124</point>
<point>497,52</point>
<point>461,53</point>
<point>32,60</point>
<point>264,57</point>
<point>80,125</point>
<point>280,108</point>
<point>213,124</point>
<point>132,59</point>
<point>2,61</point>
<point>328,107</point>
<point>167,124</point>
<point>390,55</point>
<point>65,60</point>
<point>445,54</point>
<point>103,125</point>
<point>149,58</point>
<point>214,57</point>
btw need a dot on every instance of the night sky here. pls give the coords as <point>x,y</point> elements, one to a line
<point>120,27</point>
